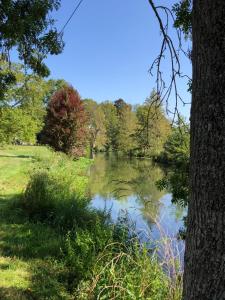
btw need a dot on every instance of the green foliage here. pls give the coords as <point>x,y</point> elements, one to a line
<point>82,247</point>
<point>52,87</point>
<point>176,153</point>
<point>126,132</point>
<point>28,90</point>
<point>177,147</point>
<point>30,266</point>
<point>96,124</point>
<point>105,261</point>
<point>183,13</point>
<point>7,78</point>
<point>36,109</point>
<point>27,26</point>
<point>125,272</point>
<point>23,106</point>
<point>55,192</point>
<point>111,124</point>
<point>17,126</point>
<point>139,132</point>
<point>120,124</point>
<point>153,127</point>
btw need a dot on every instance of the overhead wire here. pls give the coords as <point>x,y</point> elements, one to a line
<point>71,16</point>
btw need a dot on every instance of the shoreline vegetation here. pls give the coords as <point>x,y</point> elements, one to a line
<point>55,246</point>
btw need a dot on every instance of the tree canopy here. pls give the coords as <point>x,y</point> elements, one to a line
<point>34,38</point>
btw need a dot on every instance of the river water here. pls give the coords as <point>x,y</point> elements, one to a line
<point>127,187</point>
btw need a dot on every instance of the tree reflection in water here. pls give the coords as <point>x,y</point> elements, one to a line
<point>123,184</point>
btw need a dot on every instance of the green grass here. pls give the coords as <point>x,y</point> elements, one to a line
<point>30,252</point>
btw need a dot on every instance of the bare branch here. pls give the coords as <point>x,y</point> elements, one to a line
<point>168,48</point>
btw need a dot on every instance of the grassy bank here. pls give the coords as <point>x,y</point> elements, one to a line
<point>54,246</point>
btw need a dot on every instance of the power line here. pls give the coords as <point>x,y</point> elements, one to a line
<point>74,11</point>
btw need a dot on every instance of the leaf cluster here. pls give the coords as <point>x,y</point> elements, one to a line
<point>176,154</point>
<point>35,35</point>
<point>183,13</point>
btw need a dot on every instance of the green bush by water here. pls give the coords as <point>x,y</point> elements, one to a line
<point>55,193</point>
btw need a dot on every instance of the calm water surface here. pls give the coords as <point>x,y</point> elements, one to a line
<point>127,186</point>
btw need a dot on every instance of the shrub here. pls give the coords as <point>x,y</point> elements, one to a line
<point>56,192</point>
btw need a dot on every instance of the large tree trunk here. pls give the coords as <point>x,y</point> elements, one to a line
<point>204,275</point>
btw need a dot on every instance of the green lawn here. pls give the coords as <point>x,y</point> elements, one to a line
<point>29,268</point>
<point>15,163</point>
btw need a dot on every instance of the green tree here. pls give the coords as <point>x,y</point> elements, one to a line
<point>127,125</point>
<point>176,154</point>
<point>27,97</point>
<point>17,126</point>
<point>153,127</point>
<point>27,26</point>
<point>53,85</point>
<point>111,125</point>
<point>96,125</point>
<point>121,105</point>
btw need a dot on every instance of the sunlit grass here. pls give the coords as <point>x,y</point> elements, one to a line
<point>14,273</point>
<point>15,163</point>
<point>29,251</point>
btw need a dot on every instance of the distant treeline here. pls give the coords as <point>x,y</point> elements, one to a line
<point>52,112</point>
<point>117,126</point>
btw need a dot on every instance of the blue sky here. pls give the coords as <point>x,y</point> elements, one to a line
<point>109,47</point>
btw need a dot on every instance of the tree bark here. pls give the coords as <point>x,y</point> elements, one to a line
<point>204,274</point>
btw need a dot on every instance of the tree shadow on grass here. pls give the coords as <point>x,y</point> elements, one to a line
<point>17,156</point>
<point>38,247</point>
<point>15,294</point>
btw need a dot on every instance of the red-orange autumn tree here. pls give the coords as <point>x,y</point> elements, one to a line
<point>65,123</point>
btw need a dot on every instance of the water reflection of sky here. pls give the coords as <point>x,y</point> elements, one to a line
<point>168,218</point>
<point>128,186</point>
